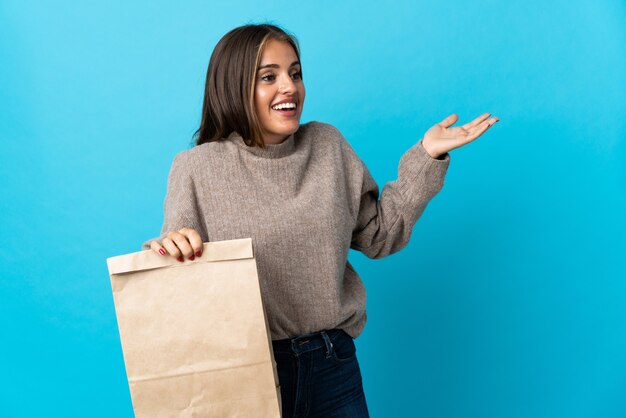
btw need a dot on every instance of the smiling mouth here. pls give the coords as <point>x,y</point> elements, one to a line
<point>285,107</point>
<point>286,112</point>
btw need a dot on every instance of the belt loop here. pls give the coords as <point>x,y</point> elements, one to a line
<point>329,344</point>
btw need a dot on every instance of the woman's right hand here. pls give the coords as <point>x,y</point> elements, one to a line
<point>181,244</point>
<point>442,138</point>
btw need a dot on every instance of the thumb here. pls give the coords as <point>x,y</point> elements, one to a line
<point>449,121</point>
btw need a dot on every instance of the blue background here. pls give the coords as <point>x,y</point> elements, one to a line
<point>509,301</point>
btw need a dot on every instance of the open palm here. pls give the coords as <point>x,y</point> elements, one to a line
<point>441,138</point>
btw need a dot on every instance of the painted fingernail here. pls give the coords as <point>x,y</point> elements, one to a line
<point>162,251</point>
<point>198,254</point>
<point>181,259</point>
<point>192,257</point>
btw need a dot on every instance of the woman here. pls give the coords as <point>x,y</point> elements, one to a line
<point>304,197</point>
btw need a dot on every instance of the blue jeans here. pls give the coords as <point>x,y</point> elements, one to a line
<point>319,376</point>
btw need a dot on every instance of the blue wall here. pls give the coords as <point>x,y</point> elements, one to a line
<point>509,301</point>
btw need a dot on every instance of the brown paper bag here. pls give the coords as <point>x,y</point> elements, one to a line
<point>194,335</point>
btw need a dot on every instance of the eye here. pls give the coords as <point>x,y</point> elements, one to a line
<point>270,77</point>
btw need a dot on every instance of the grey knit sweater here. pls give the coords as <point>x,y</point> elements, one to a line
<point>304,202</point>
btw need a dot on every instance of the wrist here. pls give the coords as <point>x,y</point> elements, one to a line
<point>428,148</point>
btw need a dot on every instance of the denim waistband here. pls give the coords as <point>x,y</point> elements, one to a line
<point>308,342</point>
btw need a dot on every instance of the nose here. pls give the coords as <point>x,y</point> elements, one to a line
<point>287,85</point>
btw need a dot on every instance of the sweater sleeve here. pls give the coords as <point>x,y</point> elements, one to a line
<point>181,205</point>
<point>384,226</point>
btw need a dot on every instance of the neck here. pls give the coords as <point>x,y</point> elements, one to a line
<point>273,140</point>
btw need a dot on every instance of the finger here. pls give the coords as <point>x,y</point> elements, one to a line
<point>182,243</point>
<point>476,121</point>
<point>449,121</point>
<point>171,248</point>
<point>194,239</point>
<point>479,130</point>
<point>158,248</point>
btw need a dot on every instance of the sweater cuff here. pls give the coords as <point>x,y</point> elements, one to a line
<point>420,175</point>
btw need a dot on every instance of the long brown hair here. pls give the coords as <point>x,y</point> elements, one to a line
<point>230,82</point>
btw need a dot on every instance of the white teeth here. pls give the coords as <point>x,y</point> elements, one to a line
<point>284,106</point>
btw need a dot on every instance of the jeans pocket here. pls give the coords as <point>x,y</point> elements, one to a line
<point>343,349</point>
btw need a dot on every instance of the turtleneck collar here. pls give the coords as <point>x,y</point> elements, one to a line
<point>283,149</point>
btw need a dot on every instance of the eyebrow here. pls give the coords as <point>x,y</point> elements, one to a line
<point>277,66</point>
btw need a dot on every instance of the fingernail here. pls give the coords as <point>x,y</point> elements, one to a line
<point>192,257</point>
<point>181,259</point>
<point>162,251</point>
<point>198,254</point>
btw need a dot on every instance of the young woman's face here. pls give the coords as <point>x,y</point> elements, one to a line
<point>279,92</point>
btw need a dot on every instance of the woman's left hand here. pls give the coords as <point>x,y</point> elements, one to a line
<point>441,138</point>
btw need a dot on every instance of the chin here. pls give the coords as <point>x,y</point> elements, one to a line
<point>288,130</point>
<point>294,129</point>
<point>283,130</point>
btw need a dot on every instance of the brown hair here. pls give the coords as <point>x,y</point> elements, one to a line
<point>230,82</point>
